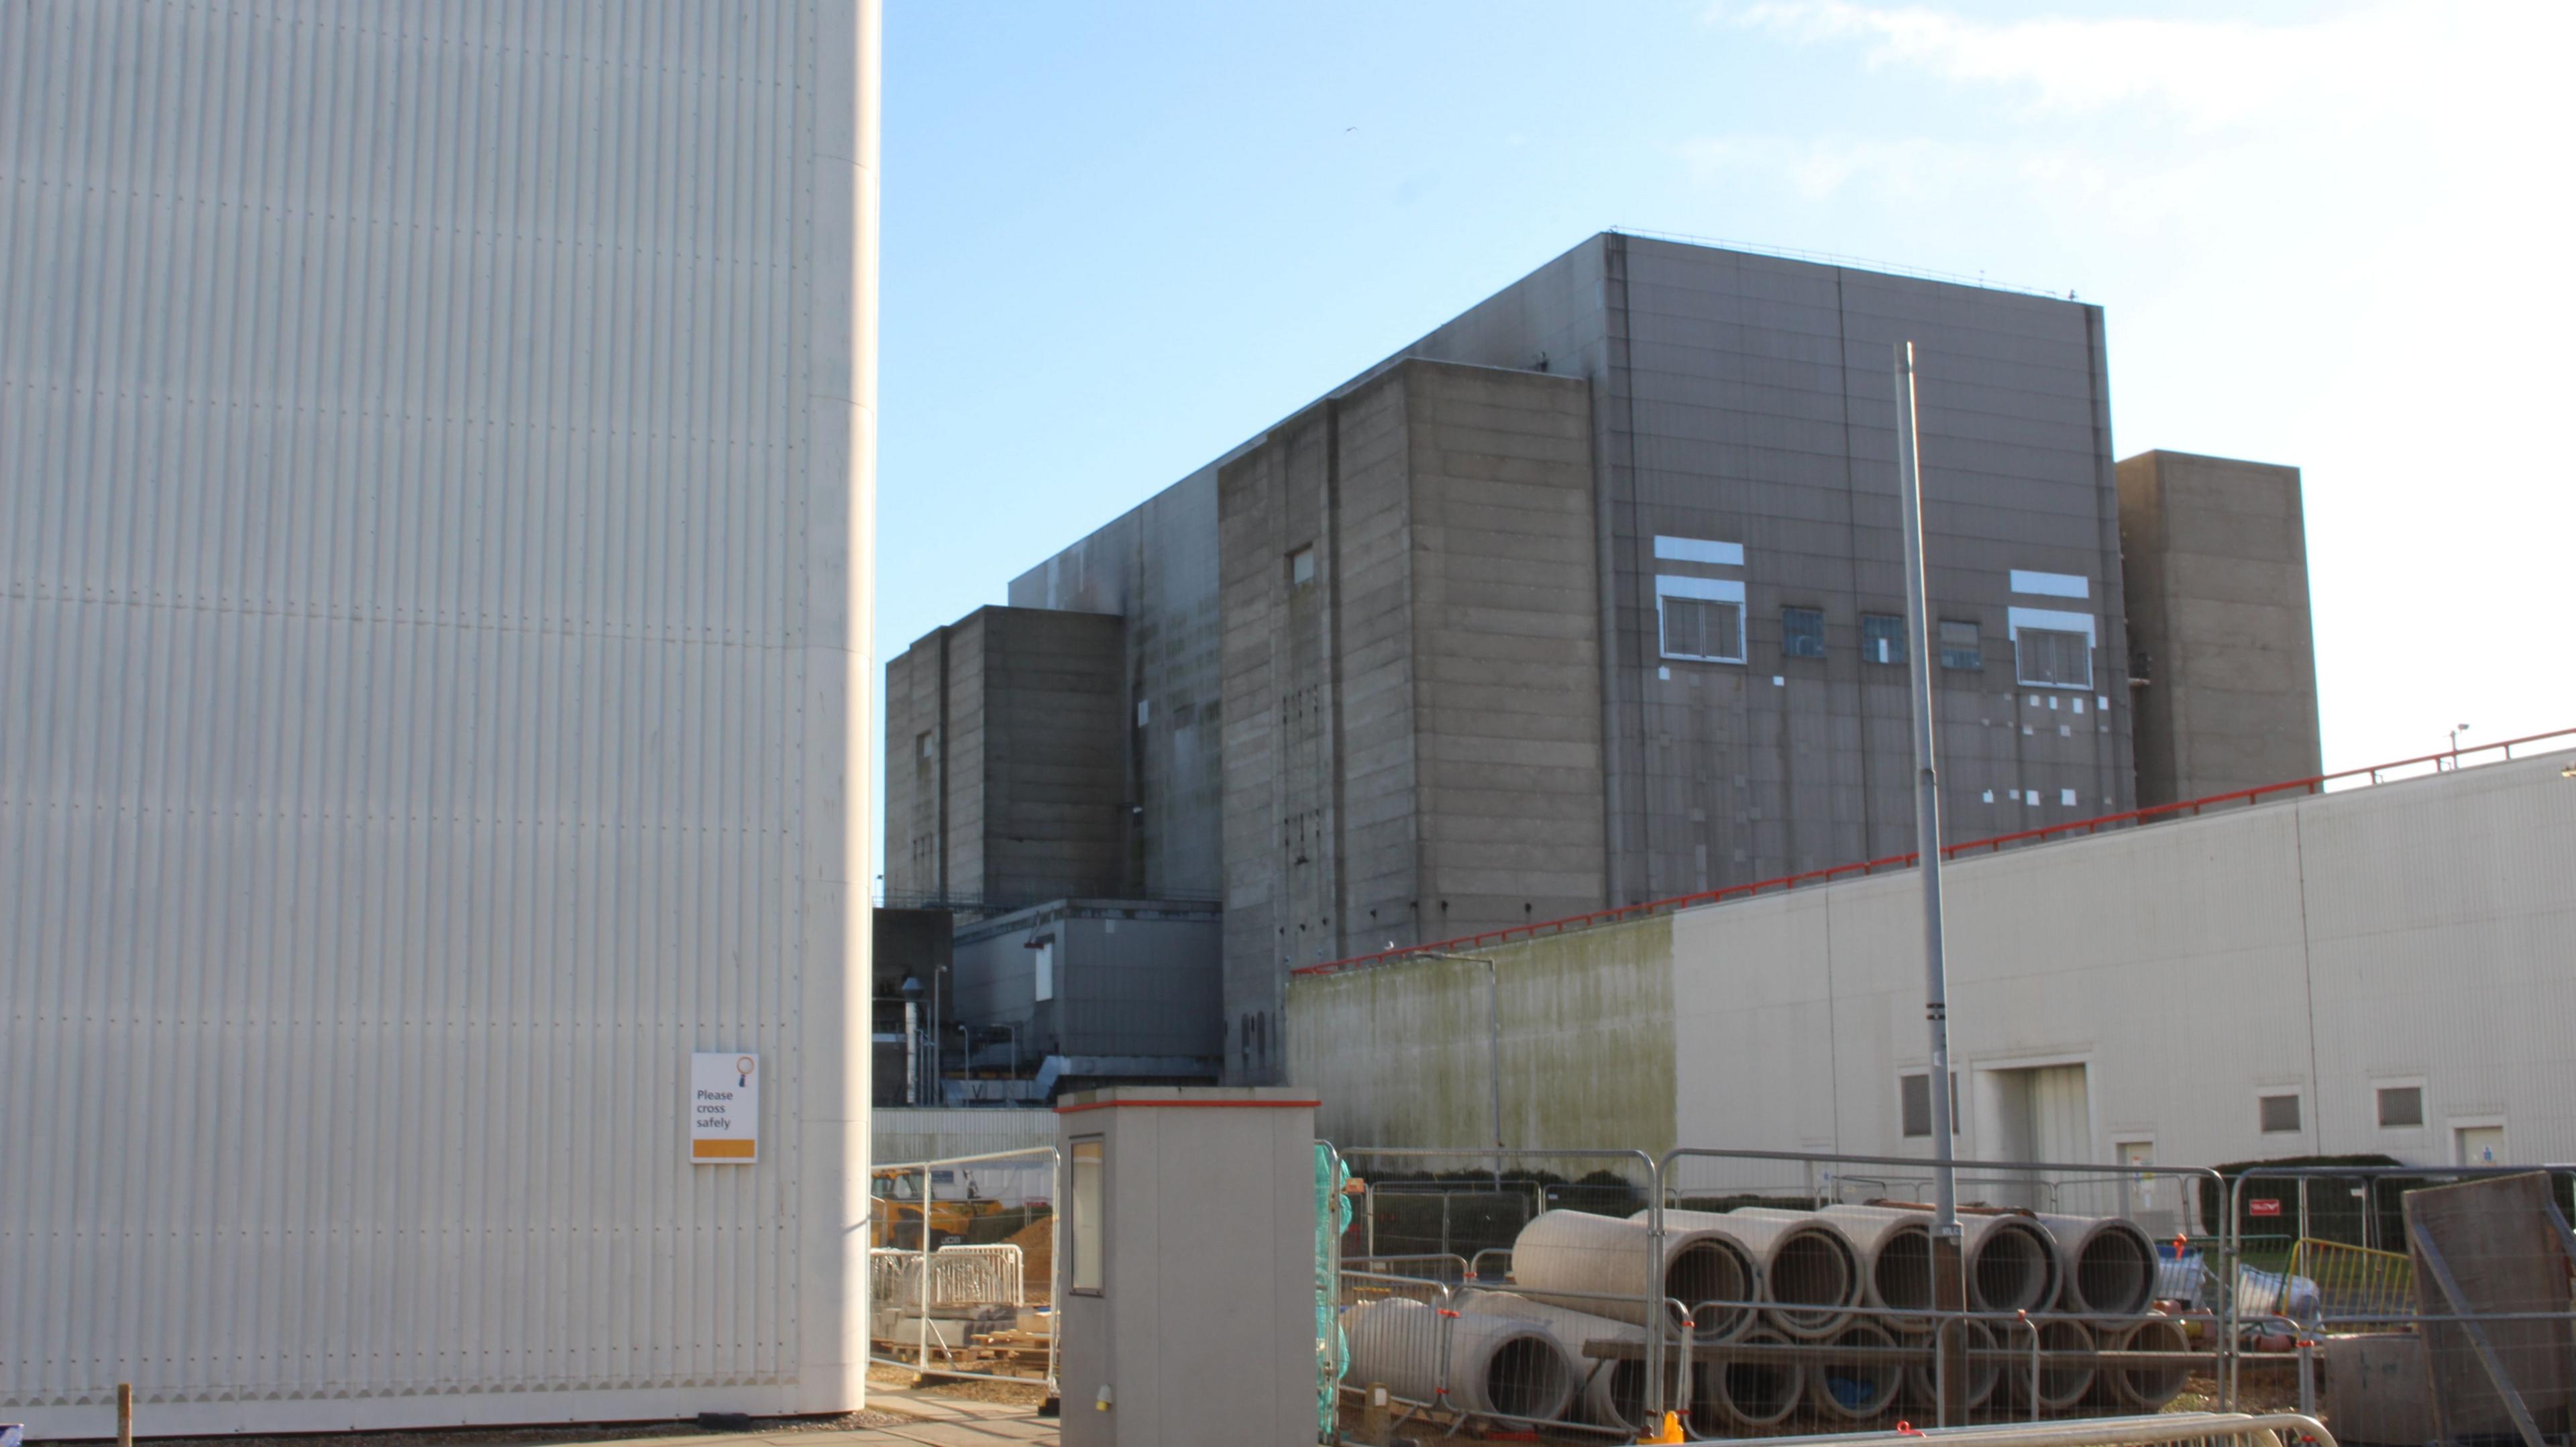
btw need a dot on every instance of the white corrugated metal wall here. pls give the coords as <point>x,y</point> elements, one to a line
<point>434,507</point>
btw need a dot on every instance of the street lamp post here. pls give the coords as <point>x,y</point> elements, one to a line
<point>2456,731</point>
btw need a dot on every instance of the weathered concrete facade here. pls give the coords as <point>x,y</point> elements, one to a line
<point>1412,747</point>
<point>1739,614</point>
<point>1156,567</point>
<point>2216,569</point>
<point>2407,936</point>
<point>1743,410</point>
<point>1005,769</point>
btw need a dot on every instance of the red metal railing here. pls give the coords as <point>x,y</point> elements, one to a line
<point>1994,845</point>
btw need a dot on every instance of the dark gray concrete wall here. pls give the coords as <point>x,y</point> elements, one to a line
<point>1747,400</point>
<point>1156,566</point>
<point>1007,771</point>
<point>2217,588</point>
<point>1413,730</point>
<point>1505,651</point>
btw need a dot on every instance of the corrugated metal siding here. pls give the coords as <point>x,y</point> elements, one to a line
<point>407,727</point>
<point>929,1134</point>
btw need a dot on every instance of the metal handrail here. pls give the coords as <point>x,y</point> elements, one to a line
<point>1993,844</point>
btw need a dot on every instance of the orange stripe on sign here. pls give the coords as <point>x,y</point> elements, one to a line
<point>723,1150</point>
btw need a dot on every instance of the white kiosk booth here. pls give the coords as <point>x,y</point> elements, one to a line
<point>1189,1270</point>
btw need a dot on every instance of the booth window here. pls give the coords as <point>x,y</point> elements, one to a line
<point>1088,1159</point>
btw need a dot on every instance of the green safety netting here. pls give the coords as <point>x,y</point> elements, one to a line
<point>1332,1349</point>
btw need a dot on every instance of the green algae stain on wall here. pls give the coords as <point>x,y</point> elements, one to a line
<point>1399,1054</point>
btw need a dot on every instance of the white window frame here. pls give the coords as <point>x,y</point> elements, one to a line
<point>1702,590</point>
<point>2053,620</point>
<point>2423,1103</point>
<point>2263,1093</point>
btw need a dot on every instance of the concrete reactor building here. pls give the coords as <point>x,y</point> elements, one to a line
<point>1592,597</point>
<point>435,489</point>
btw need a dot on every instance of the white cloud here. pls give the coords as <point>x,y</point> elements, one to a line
<point>2331,243</point>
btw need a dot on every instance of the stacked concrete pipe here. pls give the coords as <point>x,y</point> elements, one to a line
<point>2107,1266</point>
<point>1895,1262</point>
<point>1922,1377</point>
<point>1497,1366</point>
<point>1856,1389</point>
<point>2149,1386</point>
<point>1747,1393</point>
<point>2061,1384</point>
<point>1810,1272</point>
<point>2012,1261</point>
<point>1599,1264</point>
<point>1611,1393</point>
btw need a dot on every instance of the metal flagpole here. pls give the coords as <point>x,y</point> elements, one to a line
<point>1949,1276</point>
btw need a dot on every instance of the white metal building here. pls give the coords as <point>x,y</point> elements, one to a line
<point>2380,971</point>
<point>435,488</point>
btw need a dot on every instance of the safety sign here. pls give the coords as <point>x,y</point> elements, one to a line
<point>724,1108</point>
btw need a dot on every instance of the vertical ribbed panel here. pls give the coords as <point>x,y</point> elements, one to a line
<point>404,751</point>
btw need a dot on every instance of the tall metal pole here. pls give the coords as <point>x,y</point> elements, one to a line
<point>1947,1282</point>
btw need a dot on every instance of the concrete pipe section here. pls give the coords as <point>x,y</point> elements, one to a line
<point>1859,1388</point>
<point>2061,1384</point>
<point>2148,1386</point>
<point>1895,1261</point>
<point>2011,1259</point>
<point>1609,1393</point>
<point>1498,1366</point>
<point>1598,1264</point>
<point>1747,1393</point>
<point>1922,1384</point>
<point>1810,1273</point>
<point>2012,1263</point>
<point>2106,1266</point>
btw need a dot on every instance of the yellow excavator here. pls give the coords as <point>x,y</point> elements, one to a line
<point>897,1217</point>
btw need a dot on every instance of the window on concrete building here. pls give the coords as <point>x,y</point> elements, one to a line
<point>1882,638</point>
<point>923,743</point>
<point>1710,630</point>
<point>2401,1106</point>
<point>2279,1113</point>
<point>2051,659</point>
<point>1301,566</point>
<point>1959,646</point>
<point>1802,633</point>
<point>1915,1097</point>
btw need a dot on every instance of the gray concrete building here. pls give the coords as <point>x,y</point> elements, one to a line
<point>1591,597</point>
<point>2221,651</point>
<point>1006,771</point>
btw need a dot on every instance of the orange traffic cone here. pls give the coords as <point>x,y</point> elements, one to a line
<point>1671,1433</point>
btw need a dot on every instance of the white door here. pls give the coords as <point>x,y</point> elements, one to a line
<point>2061,1129</point>
<point>2481,1145</point>
<point>2152,1203</point>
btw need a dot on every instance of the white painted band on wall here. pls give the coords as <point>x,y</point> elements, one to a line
<point>1723,590</point>
<point>1701,550</point>
<point>2051,620</point>
<point>2054,585</point>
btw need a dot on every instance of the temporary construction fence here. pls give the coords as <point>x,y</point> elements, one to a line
<point>2463,1331</point>
<point>963,1283</point>
<point>1751,1293</point>
<point>1748,1294</point>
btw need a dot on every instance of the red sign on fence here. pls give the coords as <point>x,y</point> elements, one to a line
<point>2261,1207</point>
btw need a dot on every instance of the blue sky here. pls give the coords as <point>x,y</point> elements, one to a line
<point>1121,238</point>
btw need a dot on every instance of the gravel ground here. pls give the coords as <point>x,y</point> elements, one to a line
<point>1013,1393</point>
